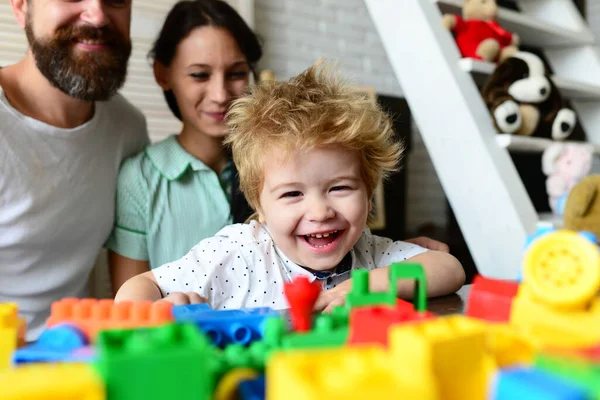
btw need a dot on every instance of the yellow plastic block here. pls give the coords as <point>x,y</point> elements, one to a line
<point>344,373</point>
<point>509,347</point>
<point>452,348</point>
<point>557,304</point>
<point>51,382</point>
<point>549,326</point>
<point>12,332</point>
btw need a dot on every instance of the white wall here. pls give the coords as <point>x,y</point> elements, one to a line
<point>297,32</point>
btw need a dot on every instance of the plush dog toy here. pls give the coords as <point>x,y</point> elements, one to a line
<point>477,33</point>
<point>565,165</point>
<point>523,100</point>
<point>582,211</point>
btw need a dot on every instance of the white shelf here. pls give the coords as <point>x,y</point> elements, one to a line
<point>532,31</point>
<point>550,220</point>
<point>568,88</point>
<point>528,144</point>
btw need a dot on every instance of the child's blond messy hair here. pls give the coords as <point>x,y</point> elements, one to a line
<point>315,108</point>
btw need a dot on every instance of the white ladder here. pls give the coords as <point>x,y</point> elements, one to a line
<point>484,189</point>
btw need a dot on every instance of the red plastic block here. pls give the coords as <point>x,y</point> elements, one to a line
<point>491,299</point>
<point>301,296</point>
<point>371,324</point>
<point>93,316</point>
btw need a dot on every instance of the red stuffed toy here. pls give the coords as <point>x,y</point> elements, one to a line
<point>477,33</point>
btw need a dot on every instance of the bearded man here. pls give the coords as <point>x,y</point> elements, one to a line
<point>64,131</point>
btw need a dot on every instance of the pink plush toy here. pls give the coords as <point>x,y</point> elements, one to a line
<point>565,164</point>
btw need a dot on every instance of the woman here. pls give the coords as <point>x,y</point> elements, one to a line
<point>184,189</point>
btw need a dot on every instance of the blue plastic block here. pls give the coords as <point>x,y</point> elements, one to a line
<point>189,312</point>
<point>535,384</point>
<point>589,236</point>
<point>59,343</point>
<point>253,389</point>
<point>241,326</point>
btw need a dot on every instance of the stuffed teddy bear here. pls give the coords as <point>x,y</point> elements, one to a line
<point>477,33</point>
<point>582,211</point>
<point>565,165</point>
<point>523,100</point>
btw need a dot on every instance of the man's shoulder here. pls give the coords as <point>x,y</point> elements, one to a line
<point>118,106</point>
<point>128,122</point>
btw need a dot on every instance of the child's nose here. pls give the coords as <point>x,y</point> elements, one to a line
<point>320,211</point>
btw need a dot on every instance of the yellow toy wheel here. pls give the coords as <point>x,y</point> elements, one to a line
<point>228,385</point>
<point>562,269</point>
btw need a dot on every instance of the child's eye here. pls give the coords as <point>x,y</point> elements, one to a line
<point>201,76</point>
<point>291,194</point>
<point>338,188</point>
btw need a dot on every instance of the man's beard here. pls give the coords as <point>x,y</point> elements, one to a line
<point>85,75</point>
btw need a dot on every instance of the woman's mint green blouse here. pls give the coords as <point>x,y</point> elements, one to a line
<point>167,202</point>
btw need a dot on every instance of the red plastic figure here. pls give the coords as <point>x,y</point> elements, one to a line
<point>301,296</point>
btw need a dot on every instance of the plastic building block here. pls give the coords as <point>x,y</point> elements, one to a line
<point>450,349</point>
<point>93,316</point>
<point>228,385</point>
<point>173,361</point>
<point>58,381</point>
<point>534,384</point>
<point>230,326</point>
<point>12,333</point>
<point>59,343</point>
<point>301,296</point>
<point>508,346</point>
<point>365,372</point>
<point>189,311</point>
<point>557,303</point>
<point>371,324</point>
<point>252,389</point>
<point>361,296</point>
<point>574,366</point>
<point>329,330</point>
<point>491,299</point>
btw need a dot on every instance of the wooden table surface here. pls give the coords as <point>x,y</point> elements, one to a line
<point>451,304</point>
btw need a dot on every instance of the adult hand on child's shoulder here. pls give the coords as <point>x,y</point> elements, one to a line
<point>336,296</point>
<point>179,298</point>
<point>429,243</point>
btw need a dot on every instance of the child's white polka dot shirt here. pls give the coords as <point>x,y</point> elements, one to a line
<point>240,267</point>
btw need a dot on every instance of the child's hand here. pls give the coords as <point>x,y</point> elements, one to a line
<point>333,297</point>
<point>179,298</point>
<point>429,243</point>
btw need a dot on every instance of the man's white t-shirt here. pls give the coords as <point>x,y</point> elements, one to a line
<point>57,198</point>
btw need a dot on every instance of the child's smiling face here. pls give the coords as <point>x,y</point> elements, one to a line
<point>315,204</point>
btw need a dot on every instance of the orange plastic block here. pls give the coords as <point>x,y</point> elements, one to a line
<point>453,350</point>
<point>350,373</point>
<point>53,381</point>
<point>93,316</point>
<point>12,333</point>
<point>370,324</point>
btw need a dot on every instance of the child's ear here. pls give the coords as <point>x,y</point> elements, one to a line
<point>161,75</point>
<point>261,216</point>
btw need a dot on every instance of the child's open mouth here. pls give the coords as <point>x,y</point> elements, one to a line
<point>321,240</point>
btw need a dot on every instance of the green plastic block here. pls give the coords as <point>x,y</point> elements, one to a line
<point>329,330</point>
<point>575,369</point>
<point>410,271</point>
<point>169,362</point>
<point>360,295</point>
